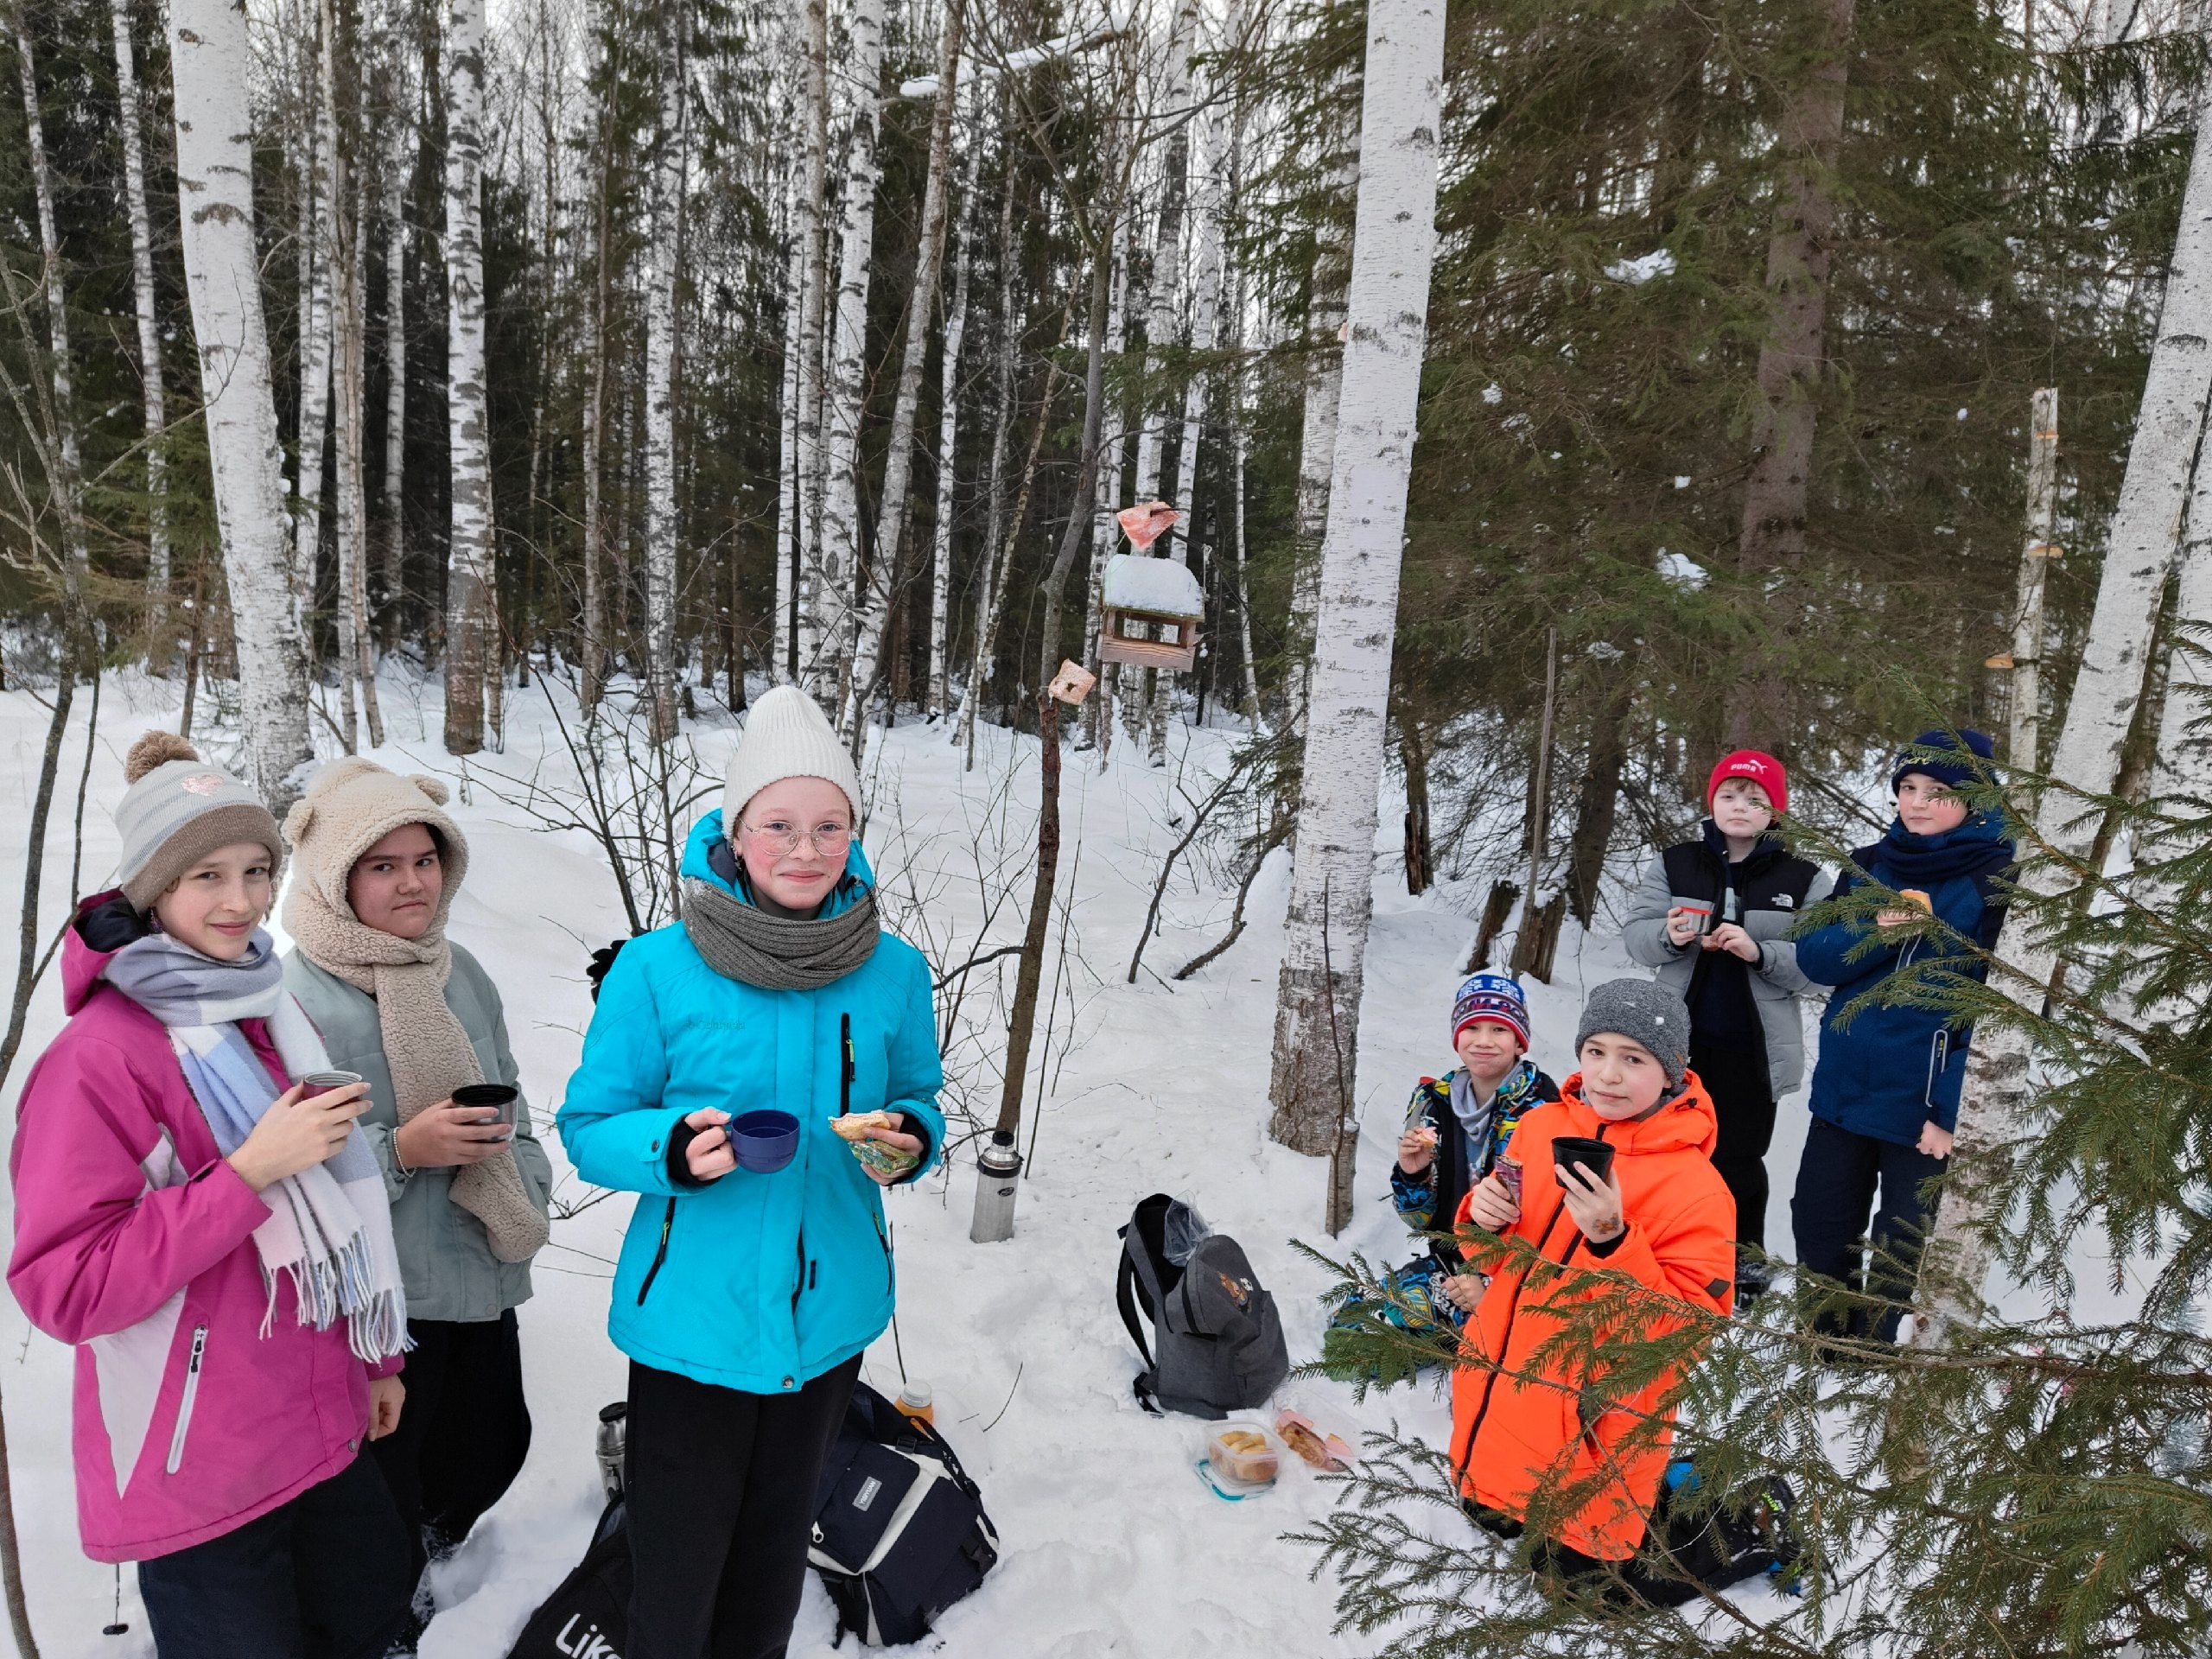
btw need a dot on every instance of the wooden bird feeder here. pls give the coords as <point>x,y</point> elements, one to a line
<point>1141,598</point>
<point>1073,682</point>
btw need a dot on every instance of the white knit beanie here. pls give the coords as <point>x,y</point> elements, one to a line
<point>786,735</point>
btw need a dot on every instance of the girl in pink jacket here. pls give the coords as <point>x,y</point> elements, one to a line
<point>214,1239</point>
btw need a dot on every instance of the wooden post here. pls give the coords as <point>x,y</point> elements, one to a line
<point>2035,569</point>
<point>1525,942</point>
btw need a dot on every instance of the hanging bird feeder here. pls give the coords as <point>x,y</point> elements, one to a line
<point>1150,614</point>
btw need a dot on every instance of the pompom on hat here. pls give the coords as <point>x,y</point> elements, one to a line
<point>177,810</point>
<point>786,735</point>
<point>1756,767</point>
<point>1496,998</point>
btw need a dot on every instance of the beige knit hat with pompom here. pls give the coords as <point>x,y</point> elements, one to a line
<point>178,809</point>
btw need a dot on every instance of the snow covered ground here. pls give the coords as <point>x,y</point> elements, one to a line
<point>1111,1544</point>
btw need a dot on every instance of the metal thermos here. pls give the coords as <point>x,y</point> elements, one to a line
<point>998,1174</point>
<point>612,1445</point>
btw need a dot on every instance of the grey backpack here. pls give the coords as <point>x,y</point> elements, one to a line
<point>1217,1342</point>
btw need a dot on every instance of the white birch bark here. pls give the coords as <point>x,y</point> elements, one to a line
<point>1996,1106</point>
<point>789,539</point>
<point>65,464</point>
<point>840,554</point>
<point>948,422</point>
<point>400,169</point>
<point>468,554</point>
<point>1105,532</point>
<point>2035,570</point>
<point>1317,1011</point>
<point>591,676</point>
<point>813,333</point>
<point>665,243</point>
<point>152,396</point>
<point>208,55</point>
<point>315,338</point>
<point>885,569</point>
<point>1166,279</point>
<point>1317,444</point>
<point>349,263</point>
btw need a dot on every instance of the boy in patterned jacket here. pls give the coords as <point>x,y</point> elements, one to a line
<point>1457,1125</point>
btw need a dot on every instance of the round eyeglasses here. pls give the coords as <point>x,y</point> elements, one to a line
<point>781,837</point>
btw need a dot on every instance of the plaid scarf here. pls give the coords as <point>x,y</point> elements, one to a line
<point>329,1227</point>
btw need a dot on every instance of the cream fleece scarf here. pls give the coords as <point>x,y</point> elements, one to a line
<point>352,805</point>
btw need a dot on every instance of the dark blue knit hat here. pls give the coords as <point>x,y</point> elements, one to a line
<point>1949,773</point>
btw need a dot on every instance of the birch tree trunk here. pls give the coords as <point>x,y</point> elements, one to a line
<point>948,423</point>
<point>885,569</point>
<point>66,462</point>
<point>468,554</point>
<point>791,542</point>
<point>1770,538</point>
<point>158,643</point>
<point>1105,531</point>
<point>208,55</point>
<point>1317,442</point>
<point>399,171</point>
<point>1317,1009</point>
<point>813,338</point>
<point>1205,318</point>
<point>1996,1106</point>
<point>2035,570</point>
<point>592,673</point>
<point>996,538</point>
<point>666,242</point>
<point>838,565</point>
<point>315,336</point>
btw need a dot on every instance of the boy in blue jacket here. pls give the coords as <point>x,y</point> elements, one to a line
<point>1885,1091</point>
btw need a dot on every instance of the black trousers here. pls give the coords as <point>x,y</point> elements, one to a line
<point>322,1577</point>
<point>1735,1075</point>
<point>1836,1184</point>
<point>463,1432</point>
<point>722,1508</point>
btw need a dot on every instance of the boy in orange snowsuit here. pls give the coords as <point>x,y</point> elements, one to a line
<point>1661,1215</point>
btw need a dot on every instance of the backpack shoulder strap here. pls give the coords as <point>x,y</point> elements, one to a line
<point>1125,1284</point>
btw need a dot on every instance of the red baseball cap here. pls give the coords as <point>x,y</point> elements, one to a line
<point>1762,769</point>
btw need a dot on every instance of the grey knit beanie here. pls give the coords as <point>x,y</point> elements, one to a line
<point>1646,1012</point>
<point>786,735</point>
<point>177,809</point>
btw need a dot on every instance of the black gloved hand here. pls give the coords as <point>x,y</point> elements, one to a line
<point>601,960</point>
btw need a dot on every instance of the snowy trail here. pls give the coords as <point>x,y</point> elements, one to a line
<point>1112,1546</point>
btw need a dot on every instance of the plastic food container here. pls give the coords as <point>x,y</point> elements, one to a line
<point>766,1141</point>
<point>1242,1451</point>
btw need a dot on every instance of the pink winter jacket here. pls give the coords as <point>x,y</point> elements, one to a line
<point>133,1240</point>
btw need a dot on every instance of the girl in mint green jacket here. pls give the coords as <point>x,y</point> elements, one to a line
<point>746,1299</point>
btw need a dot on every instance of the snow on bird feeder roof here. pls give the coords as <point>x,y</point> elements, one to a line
<point>1156,587</point>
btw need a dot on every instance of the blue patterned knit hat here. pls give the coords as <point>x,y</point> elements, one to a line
<point>1495,997</point>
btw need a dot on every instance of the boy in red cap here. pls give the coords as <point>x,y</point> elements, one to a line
<point>1710,916</point>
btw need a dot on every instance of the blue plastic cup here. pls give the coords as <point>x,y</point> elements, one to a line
<point>766,1141</point>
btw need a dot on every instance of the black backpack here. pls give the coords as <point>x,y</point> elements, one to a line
<point>1217,1336</point>
<point>588,1616</point>
<point>900,1531</point>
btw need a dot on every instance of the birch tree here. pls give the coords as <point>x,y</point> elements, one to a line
<point>948,426</point>
<point>884,580</point>
<point>319,141</point>
<point>208,55</point>
<point>350,365</point>
<point>468,555</point>
<point>399,168</point>
<point>1105,531</point>
<point>1317,1007</point>
<point>2034,571</point>
<point>66,461</point>
<point>151,393</point>
<point>791,542</point>
<point>1996,1106</point>
<point>666,240</point>
<point>835,568</point>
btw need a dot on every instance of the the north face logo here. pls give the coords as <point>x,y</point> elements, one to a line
<point>204,783</point>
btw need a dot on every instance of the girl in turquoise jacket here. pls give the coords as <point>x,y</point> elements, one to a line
<point>746,1299</point>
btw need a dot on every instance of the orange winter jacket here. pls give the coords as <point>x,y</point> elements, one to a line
<point>1514,1428</point>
